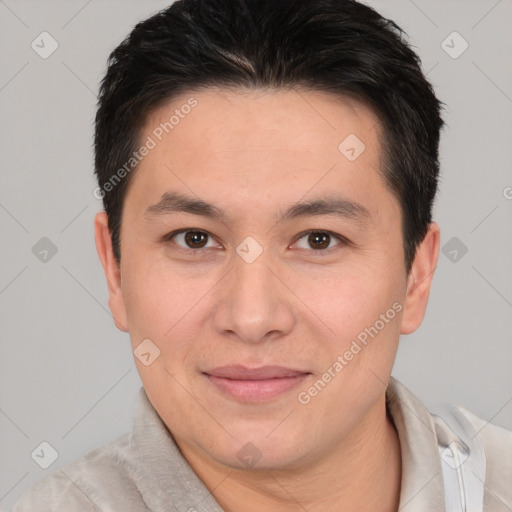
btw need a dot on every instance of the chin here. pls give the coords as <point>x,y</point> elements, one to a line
<point>260,452</point>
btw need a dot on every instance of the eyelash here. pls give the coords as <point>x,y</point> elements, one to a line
<point>342,240</point>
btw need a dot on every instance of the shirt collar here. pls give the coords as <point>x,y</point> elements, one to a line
<point>422,486</point>
<point>167,474</point>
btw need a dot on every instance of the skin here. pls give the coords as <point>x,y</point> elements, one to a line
<point>253,154</point>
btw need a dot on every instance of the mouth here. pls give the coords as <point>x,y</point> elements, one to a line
<point>256,384</point>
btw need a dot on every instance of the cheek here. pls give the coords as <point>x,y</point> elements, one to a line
<point>346,299</point>
<point>155,300</point>
<point>362,313</point>
<point>166,305</point>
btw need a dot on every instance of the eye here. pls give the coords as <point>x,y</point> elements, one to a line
<point>319,240</point>
<point>190,239</point>
<point>197,240</point>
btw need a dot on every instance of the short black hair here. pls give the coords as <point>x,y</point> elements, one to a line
<point>339,46</point>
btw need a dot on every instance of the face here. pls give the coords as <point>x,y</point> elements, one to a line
<point>273,327</point>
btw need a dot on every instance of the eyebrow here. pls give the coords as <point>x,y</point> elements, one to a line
<point>172,202</point>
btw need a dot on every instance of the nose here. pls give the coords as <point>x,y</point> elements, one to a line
<point>255,305</point>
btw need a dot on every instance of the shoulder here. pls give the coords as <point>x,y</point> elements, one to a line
<point>497,444</point>
<point>490,444</point>
<point>102,477</point>
<point>484,463</point>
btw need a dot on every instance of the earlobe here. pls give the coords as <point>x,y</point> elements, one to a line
<point>111,269</point>
<point>419,280</point>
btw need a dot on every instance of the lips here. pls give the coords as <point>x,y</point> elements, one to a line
<point>255,384</point>
<point>239,372</point>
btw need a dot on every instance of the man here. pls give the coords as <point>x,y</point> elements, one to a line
<point>268,170</point>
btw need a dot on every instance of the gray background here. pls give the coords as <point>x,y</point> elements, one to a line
<point>67,375</point>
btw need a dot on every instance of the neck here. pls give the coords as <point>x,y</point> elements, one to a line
<point>362,474</point>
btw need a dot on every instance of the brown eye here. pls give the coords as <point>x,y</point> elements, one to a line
<point>195,239</point>
<point>318,240</point>
<point>191,239</point>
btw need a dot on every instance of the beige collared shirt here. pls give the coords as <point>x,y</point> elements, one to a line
<point>144,471</point>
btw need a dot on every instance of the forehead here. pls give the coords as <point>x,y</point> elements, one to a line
<point>226,124</point>
<point>281,119</point>
<point>267,147</point>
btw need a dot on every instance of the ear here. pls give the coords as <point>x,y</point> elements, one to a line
<point>419,280</point>
<point>111,269</point>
